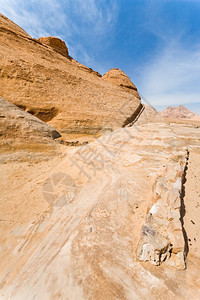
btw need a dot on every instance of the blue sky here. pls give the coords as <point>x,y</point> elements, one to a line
<point>155,42</point>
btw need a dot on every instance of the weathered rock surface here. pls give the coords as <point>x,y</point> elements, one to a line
<point>21,131</point>
<point>118,77</point>
<point>85,246</point>
<point>162,235</point>
<point>145,114</point>
<point>56,43</point>
<point>180,112</point>
<point>59,90</point>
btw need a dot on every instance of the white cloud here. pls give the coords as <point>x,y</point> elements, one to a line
<point>96,16</point>
<point>172,76</point>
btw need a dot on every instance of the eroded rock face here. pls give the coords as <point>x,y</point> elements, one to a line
<point>145,114</point>
<point>119,78</point>
<point>71,97</point>
<point>162,235</point>
<point>20,129</point>
<point>56,43</point>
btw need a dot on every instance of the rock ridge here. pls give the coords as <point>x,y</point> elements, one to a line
<point>41,76</point>
<point>162,236</point>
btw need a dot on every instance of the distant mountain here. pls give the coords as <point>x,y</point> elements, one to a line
<point>179,112</point>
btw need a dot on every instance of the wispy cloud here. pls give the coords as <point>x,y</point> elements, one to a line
<point>94,15</point>
<point>36,17</point>
<point>171,75</point>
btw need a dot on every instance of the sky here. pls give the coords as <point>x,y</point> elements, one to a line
<point>155,42</point>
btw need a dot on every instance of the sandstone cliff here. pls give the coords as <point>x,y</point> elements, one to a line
<point>57,89</point>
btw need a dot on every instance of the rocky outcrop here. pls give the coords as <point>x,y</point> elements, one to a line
<point>118,77</point>
<point>179,112</point>
<point>57,44</point>
<point>145,114</point>
<point>20,129</point>
<point>71,97</point>
<point>162,236</point>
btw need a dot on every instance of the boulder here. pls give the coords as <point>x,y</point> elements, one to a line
<point>19,128</point>
<point>56,43</point>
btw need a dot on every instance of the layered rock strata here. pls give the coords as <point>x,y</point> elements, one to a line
<point>18,125</point>
<point>118,77</point>
<point>40,77</point>
<point>23,136</point>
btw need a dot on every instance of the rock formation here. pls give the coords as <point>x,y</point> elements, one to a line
<point>119,78</point>
<point>162,234</point>
<point>16,123</point>
<point>56,88</point>
<point>21,131</point>
<point>179,112</point>
<point>56,43</point>
<point>145,114</point>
